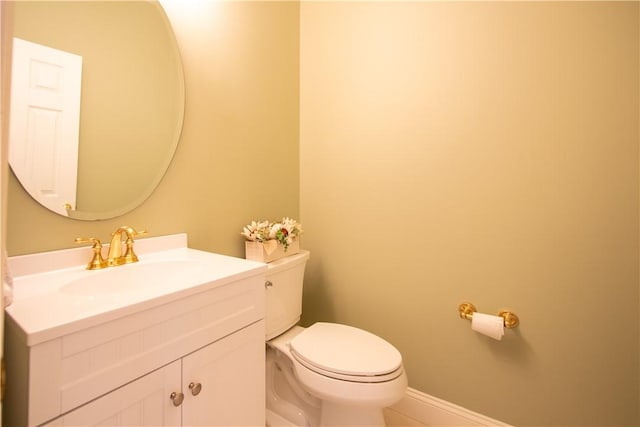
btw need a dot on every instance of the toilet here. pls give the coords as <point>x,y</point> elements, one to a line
<point>327,374</point>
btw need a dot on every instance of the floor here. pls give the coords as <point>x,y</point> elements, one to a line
<point>391,417</point>
<point>396,419</point>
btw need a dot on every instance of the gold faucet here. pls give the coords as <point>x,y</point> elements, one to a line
<point>116,257</point>
<point>97,262</point>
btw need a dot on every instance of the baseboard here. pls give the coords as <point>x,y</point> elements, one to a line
<point>432,411</point>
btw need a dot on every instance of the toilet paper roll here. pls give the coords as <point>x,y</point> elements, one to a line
<point>489,325</point>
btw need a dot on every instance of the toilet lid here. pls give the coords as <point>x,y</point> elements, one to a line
<point>346,351</point>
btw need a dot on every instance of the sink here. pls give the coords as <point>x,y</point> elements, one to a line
<point>54,294</point>
<point>88,345</point>
<point>131,278</point>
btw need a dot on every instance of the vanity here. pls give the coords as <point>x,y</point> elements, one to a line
<point>174,339</point>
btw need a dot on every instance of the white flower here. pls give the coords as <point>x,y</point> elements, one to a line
<point>256,231</point>
<point>285,231</point>
<point>274,230</point>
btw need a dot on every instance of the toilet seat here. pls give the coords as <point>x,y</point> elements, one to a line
<point>346,353</point>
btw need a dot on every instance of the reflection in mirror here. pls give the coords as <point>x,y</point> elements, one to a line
<point>131,103</point>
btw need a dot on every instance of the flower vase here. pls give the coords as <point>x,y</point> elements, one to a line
<point>269,251</point>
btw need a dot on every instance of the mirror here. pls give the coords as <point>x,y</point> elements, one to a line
<point>131,101</point>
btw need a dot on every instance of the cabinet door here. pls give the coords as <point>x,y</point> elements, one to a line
<point>228,381</point>
<point>143,402</point>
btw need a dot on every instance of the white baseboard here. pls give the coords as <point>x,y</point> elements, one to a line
<point>432,411</point>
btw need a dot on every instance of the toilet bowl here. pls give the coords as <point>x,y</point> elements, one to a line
<point>327,374</point>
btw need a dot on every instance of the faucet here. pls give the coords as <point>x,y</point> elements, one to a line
<point>116,257</point>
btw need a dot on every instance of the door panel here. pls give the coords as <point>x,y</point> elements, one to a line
<point>143,402</point>
<point>45,122</point>
<point>231,375</point>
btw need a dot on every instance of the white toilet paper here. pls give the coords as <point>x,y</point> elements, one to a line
<point>489,325</point>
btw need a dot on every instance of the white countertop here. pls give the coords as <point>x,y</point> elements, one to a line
<point>54,294</point>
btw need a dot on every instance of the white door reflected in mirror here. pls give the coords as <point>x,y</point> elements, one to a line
<point>45,119</point>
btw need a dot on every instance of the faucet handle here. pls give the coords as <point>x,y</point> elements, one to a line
<point>131,232</point>
<point>93,240</point>
<point>97,262</point>
<point>129,254</point>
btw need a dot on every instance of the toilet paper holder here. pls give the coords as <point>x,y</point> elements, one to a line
<point>466,310</point>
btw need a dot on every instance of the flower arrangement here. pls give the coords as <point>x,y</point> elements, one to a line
<point>284,232</point>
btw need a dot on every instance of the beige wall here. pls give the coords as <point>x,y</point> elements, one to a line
<point>487,152</point>
<point>238,156</point>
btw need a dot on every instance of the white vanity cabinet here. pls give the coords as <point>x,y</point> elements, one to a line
<point>121,367</point>
<point>218,385</point>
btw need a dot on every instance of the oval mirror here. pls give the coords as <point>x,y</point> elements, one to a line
<point>97,103</point>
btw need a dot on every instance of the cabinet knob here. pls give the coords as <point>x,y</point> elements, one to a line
<point>176,398</point>
<point>195,388</point>
<point>268,284</point>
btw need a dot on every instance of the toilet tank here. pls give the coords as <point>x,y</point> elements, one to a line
<point>284,293</point>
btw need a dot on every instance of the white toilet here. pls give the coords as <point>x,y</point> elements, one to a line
<point>327,374</point>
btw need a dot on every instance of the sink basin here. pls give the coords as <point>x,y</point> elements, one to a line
<point>131,278</point>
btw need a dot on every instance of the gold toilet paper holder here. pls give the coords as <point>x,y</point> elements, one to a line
<point>466,310</point>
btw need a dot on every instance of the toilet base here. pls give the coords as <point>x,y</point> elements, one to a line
<point>334,414</point>
<point>288,405</point>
